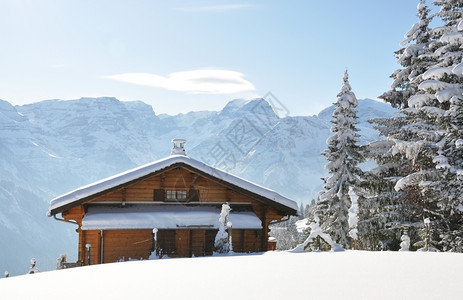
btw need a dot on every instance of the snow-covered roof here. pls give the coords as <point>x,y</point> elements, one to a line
<point>164,217</point>
<point>63,202</point>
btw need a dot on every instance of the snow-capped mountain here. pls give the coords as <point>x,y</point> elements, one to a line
<point>51,147</point>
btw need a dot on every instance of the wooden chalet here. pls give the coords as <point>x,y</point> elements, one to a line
<point>168,207</point>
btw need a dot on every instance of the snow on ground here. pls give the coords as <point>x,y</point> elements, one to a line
<point>284,275</point>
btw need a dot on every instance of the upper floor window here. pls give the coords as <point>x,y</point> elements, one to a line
<point>172,195</point>
<point>162,195</point>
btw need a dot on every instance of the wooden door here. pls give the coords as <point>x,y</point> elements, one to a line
<point>198,242</point>
<point>183,243</point>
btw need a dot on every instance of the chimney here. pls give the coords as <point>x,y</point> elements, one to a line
<point>179,147</point>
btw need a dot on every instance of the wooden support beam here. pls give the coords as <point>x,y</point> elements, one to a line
<point>190,252</point>
<point>264,229</point>
<point>193,181</point>
<point>124,197</point>
<point>163,181</point>
<point>101,246</point>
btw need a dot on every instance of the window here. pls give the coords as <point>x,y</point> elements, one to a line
<point>166,242</point>
<point>175,195</point>
<point>181,195</point>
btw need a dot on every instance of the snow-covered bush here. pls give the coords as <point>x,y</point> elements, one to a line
<point>222,242</point>
<point>405,244</point>
<point>33,269</point>
<point>60,261</point>
<point>317,240</point>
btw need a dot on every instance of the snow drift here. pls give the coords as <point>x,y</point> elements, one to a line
<point>277,275</point>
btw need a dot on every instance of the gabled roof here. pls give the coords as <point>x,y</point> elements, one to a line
<point>78,196</point>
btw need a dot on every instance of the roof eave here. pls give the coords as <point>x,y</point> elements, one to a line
<point>284,208</point>
<point>70,205</point>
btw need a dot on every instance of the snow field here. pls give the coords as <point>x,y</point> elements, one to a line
<point>273,275</point>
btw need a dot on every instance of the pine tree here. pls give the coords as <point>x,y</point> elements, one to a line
<point>428,238</point>
<point>444,84</point>
<point>394,198</point>
<point>286,233</point>
<point>383,211</point>
<point>343,157</point>
<point>426,135</point>
<point>414,59</point>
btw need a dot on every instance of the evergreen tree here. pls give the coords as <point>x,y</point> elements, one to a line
<point>285,233</point>
<point>428,238</point>
<point>444,84</point>
<point>414,59</point>
<point>426,135</point>
<point>383,211</point>
<point>343,156</point>
<point>394,198</point>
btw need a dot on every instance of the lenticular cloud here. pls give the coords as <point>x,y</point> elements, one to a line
<point>193,82</point>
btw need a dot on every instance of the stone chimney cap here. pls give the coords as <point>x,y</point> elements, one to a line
<point>182,141</point>
<point>178,147</point>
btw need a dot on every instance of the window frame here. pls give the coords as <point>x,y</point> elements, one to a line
<point>176,195</point>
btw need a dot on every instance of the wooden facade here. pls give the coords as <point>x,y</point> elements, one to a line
<point>179,185</point>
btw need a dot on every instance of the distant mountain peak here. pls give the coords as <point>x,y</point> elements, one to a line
<point>233,106</point>
<point>99,99</point>
<point>367,109</point>
<point>253,106</point>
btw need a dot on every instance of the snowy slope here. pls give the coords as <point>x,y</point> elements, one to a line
<point>52,147</point>
<point>279,275</point>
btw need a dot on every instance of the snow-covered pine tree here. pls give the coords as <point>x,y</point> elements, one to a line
<point>413,59</point>
<point>285,233</point>
<point>406,155</point>
<point>383,210</point>
<point>431,128</point>
<point>343,157</point>
<point>444,85</point>
<point>428,238</point>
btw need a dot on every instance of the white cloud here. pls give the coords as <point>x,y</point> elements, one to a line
<point>213,8</point>
<point>193,82</point>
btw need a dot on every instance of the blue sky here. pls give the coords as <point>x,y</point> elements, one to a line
<point>180,56</point>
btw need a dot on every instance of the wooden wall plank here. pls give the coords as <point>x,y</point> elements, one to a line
<point>125,244</point>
